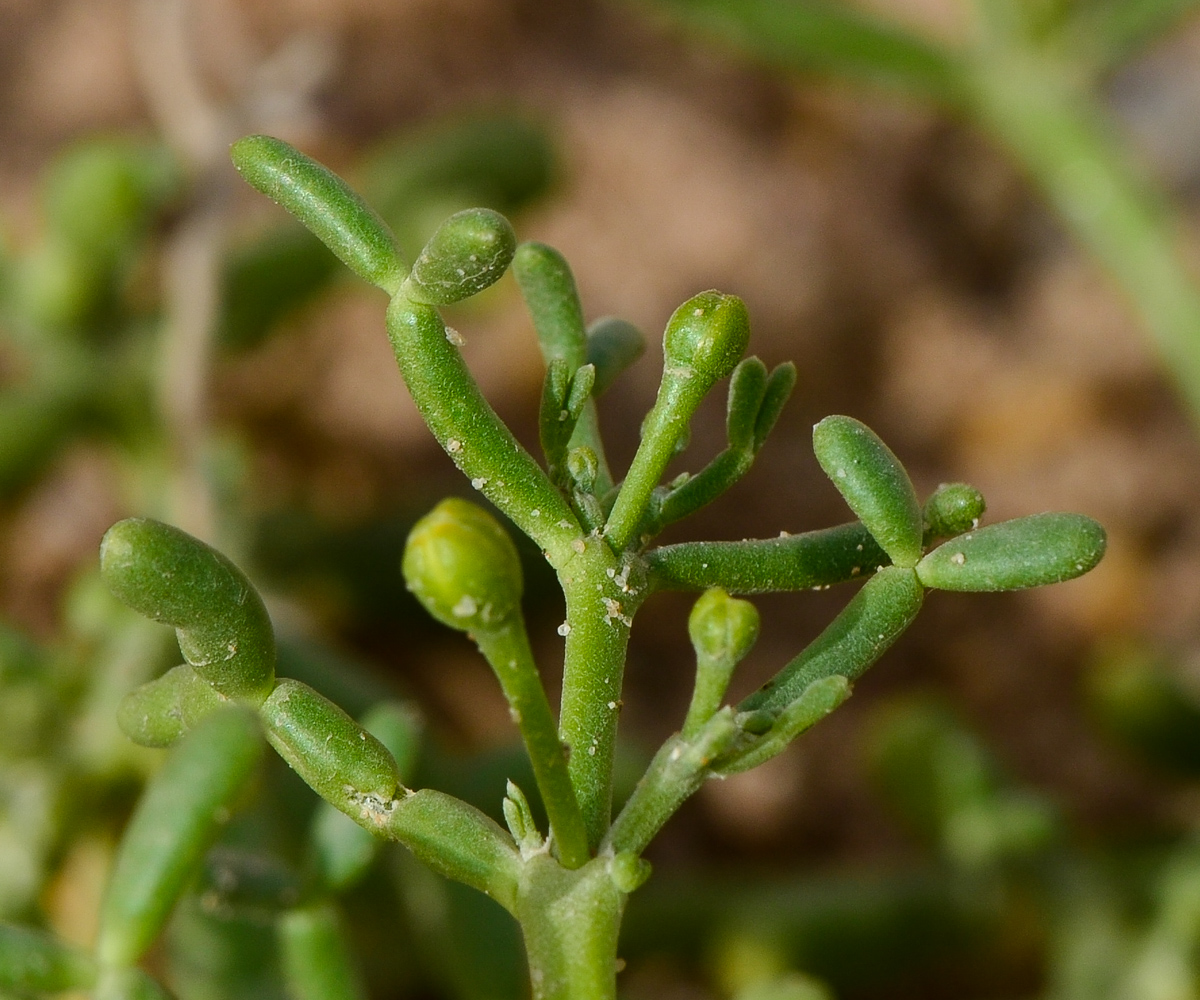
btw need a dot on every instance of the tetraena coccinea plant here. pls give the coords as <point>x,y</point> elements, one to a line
<point>567,885</point>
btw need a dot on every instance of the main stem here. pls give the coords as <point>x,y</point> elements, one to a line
<point>602,595</point>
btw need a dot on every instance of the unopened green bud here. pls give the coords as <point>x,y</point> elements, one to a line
<point>873,483</point>
<point>1026,552</point>
<point>343,763</point>
<point>223,628</point>
<point>628,871</point>
<point>952,509</point>
<point>462,565</point>
<point>722,627</point>
<point>162,710</point>
<point>723,630</point>
<point>470,251</point>
<point>706,337</point>
<point>583,466</point>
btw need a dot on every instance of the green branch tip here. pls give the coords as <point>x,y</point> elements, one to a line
<point>873,483</point>
<point>463,567</point>
<point>469,252</point>
<point>1026,552</point>
<point>223,627</point>
<point>723,630</point>
<point>325,204</point>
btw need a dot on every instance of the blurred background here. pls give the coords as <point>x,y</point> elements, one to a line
<point>975,226</point>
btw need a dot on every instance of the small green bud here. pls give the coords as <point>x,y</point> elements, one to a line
<point>1026,552</point>
<point>628,871</point>
<point>706,337</point>
<point>612,346</point>
<point>463,567</point>
<point>952,509</point>
<point>518,817</point>
<point>873,483</point>
<point>162,710</point>
<point>723,630</point>
<point>470,251</point>
<point>326,205</point>
<point>583,466</point>
<point>343,763</point>
<point>223,628</point>
<point>722,627</point>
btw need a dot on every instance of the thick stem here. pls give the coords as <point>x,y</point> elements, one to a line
<point>602,595</point>
<point>570,921</point>
<point>507,650</point>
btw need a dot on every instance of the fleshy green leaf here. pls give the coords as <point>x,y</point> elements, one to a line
<point>1027,552</point>
<point>874,484</point>
<point>162,710</point>
<point>952,509</point>
<point>612,346</point>
<point>325,204</point>
<point>875,618</point>
<point>174,823</point>
<point>224,630</point>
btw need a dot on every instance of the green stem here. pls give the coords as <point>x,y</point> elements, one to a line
<point>507,650</point>
<point>472,435</point>
<point>764,565</point>
<point>601,601</point>
<point>570,921</point>
<point>665,426</point>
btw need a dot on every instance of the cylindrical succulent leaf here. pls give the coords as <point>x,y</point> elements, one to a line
<point>706,338</point>
<point>612,346</point>
<point>874,484</point>
<point>548,288</point>
<point>174,823</point>
<point>952,509</point>
<point>463,567</point>
<point>162,710</point>
<point>317,963</point>
<point>1026,552</point>
<point>875,618</point>
<point>343,763</point>
<point>224,630</point>
<point>470,251</point>
<point>325,204</point>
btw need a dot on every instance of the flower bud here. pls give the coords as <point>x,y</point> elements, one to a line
<point>707,335</point>
<point>470,251</point>
<point>952,509</point>
<point>722,627</point>
<point>463,567</point>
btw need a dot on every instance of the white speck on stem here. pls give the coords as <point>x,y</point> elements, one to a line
<point>958,559</point>
<point>579,545</point>
<point>841,473</point>
<point>456,338</point>
<point>479,483</point>
<point>535,513</point>
<point>465,607</point>
<point>454,446</point>
<point>564,630</point>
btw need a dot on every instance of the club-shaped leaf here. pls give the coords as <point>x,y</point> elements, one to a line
<point>162,710</point>
<point>612,346</point>
<point>224,630</point>
<point>952,509</point>
<point>874,484</point>
<point>324,202</point>
<point>174,823</point>
<point>1026,552</point>
<point>875,618</point>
